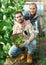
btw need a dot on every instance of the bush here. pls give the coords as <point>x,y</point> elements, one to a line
<point>42,62</point>
<point>7,11</point>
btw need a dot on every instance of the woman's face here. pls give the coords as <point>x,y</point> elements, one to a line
<point>33,9</point>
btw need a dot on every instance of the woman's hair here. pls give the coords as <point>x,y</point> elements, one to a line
<point>33,4</point>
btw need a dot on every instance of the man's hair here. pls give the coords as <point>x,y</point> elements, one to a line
<point>18,12</point>
<point>33,4</point>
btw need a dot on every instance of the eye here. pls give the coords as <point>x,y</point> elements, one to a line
<point>18,16</point>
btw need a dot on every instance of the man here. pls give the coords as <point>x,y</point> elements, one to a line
<point>33,17</point>
<point>22,26</point>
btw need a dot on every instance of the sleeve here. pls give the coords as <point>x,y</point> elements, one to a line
<point>37,27</point>
<point>14,29</point>
<point>40,24</point>
<point>31,30</point>
<point>36,30</point>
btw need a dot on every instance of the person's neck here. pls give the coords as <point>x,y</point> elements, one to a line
<point>32,16</point>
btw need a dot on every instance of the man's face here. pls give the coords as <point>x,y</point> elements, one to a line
<point>19,18</point>
<point>33,9</point>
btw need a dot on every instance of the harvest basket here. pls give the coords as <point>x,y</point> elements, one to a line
<point>18,39</point>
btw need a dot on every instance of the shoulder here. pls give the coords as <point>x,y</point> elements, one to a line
<point>26,15</point>
<point>15,25</point>
<point>27,22</point>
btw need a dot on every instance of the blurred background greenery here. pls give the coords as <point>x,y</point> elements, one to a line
<point>7,11</point>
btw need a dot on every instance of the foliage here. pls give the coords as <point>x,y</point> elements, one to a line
<point>7,11</point>
<point>42,62</point>
<point>19,40</point>
<point>6,49</point>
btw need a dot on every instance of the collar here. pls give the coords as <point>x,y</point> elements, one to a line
<point>15,22</point>
<point>34,16</point>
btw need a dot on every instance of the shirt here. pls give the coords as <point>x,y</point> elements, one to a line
<point>28,28</point>
<point>35,21</point>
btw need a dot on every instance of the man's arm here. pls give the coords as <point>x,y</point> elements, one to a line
<point>32,36</point>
